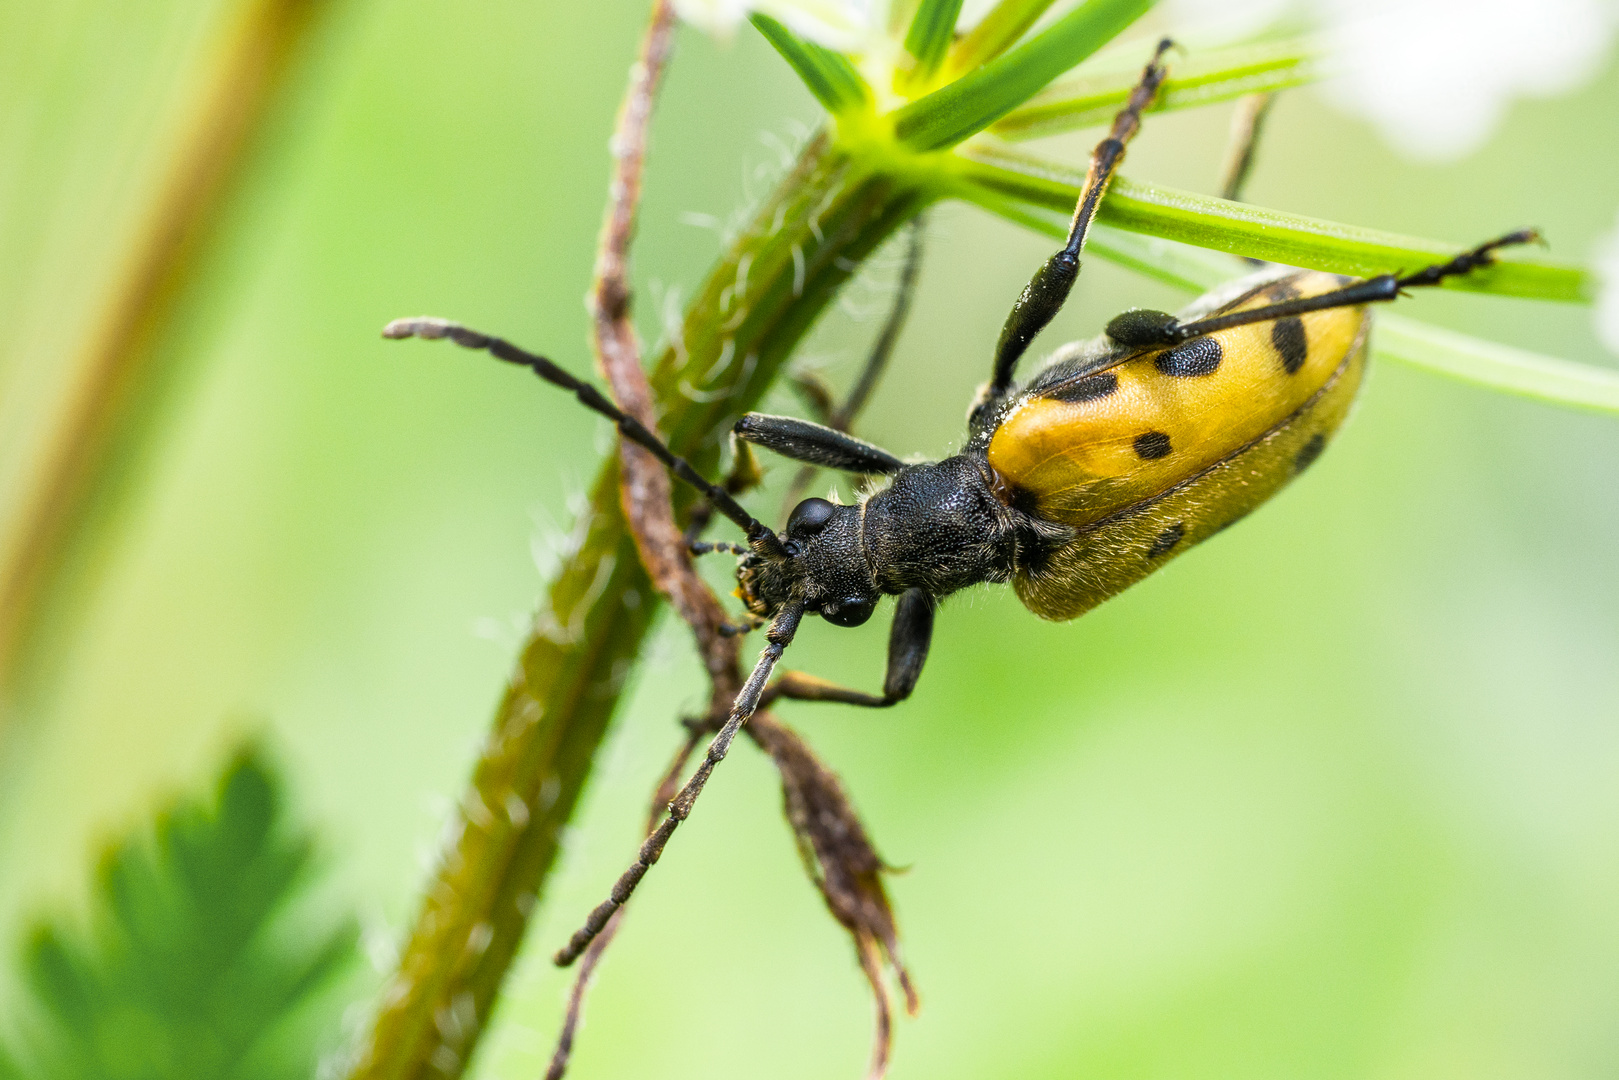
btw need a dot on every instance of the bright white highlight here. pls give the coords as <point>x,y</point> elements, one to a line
<point>1435,76</point>
<point>839,24</point>
<point>1607,306</point>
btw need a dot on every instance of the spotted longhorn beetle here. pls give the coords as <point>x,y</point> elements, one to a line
<point>1119,455</point>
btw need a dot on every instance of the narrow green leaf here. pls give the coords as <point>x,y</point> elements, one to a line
<point>1548,379</point>
<point>829,75</point>
<point>976,100</point>
<point>1499,367</point>
<point>1198,80</point>
<point>995,33</point>
<point>1260,233</point>
<point>930,35</point>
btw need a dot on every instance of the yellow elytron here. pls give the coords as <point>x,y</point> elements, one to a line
<point>1169,445</point>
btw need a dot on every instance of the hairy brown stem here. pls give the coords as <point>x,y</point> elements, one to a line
<point>664,551</point>
<point>644,481</point>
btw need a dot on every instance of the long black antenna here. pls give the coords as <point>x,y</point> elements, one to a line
<point>760,536</point>
<point>1379,289</point>
<point>779,636</point>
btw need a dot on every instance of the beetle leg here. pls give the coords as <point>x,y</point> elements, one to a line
<point>1246,125</point>
<point>816,444</point>
<point>907,651</point>
<point>1043,297</point>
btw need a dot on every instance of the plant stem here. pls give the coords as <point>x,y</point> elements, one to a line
<point>121,363</point>
<point>825,217</point>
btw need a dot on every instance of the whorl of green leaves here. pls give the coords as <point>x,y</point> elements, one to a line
<point>193,964</point>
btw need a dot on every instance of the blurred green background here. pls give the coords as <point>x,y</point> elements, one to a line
<point>1335,795</point>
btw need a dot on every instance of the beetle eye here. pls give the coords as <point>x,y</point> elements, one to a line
<point>848,612</point>
<point>1140,327</point>
<point>809,517</point>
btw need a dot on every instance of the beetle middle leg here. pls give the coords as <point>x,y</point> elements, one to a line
<point>1047,291</point>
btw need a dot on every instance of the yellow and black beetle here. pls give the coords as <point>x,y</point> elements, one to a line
<point>1119,455</point>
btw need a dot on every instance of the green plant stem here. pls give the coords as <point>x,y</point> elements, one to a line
<point>992,175</point>
<point>120,371</point>
<point>762,296</point>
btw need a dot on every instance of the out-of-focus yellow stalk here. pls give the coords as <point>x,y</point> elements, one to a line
<point>50,538</point>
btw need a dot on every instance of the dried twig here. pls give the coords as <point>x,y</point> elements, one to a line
<point>587,964</point>
<point>837,853</point>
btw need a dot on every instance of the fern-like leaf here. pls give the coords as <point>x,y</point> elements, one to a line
<point>194,964</point>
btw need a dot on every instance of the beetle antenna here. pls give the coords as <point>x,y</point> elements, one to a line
<point>1043,297</point>
<point>760,535</point>
<point>1380,289</point>
<point>779,637</point>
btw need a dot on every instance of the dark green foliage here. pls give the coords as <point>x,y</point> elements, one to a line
<point>193,967</point>
<point>978,99</point>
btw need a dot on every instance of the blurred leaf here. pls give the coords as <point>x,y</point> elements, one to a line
<point>1498,367</point>
<point>996,32</point>
<point>995,176</point>
<point>192,967</point>
<point>978,99</point>
<point>930,35</point>
<point>1203,79</point>
<point>829,75</point>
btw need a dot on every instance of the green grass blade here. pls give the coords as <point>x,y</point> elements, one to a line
<point>1202,79</point>
<point>976,100</point>
<point>1498,367</point>
<point>1260,233</point>
<point>829,75</point>
<point>1548,379</point>
<point>996,32</point>
<point>930,35</point>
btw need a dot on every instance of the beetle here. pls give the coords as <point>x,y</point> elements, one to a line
<point>1119,455</point>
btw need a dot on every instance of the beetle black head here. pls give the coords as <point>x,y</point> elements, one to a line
<point>825,567</point>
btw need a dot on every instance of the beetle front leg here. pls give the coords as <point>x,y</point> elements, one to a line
<point>815,444</point>
<point>908,643</point>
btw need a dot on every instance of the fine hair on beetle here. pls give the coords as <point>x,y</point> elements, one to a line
<point>1117,456</point>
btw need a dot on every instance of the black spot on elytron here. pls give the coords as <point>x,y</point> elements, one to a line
<point>1089,388</point>
<point>1288,337</point>
<point>1166,540</point>
<point>1282,290</point>
<point>1152,445</point>
<point>1200,356</point>
<point>1309,452</point>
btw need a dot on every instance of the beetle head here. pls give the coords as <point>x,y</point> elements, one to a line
<point>825,567</point>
